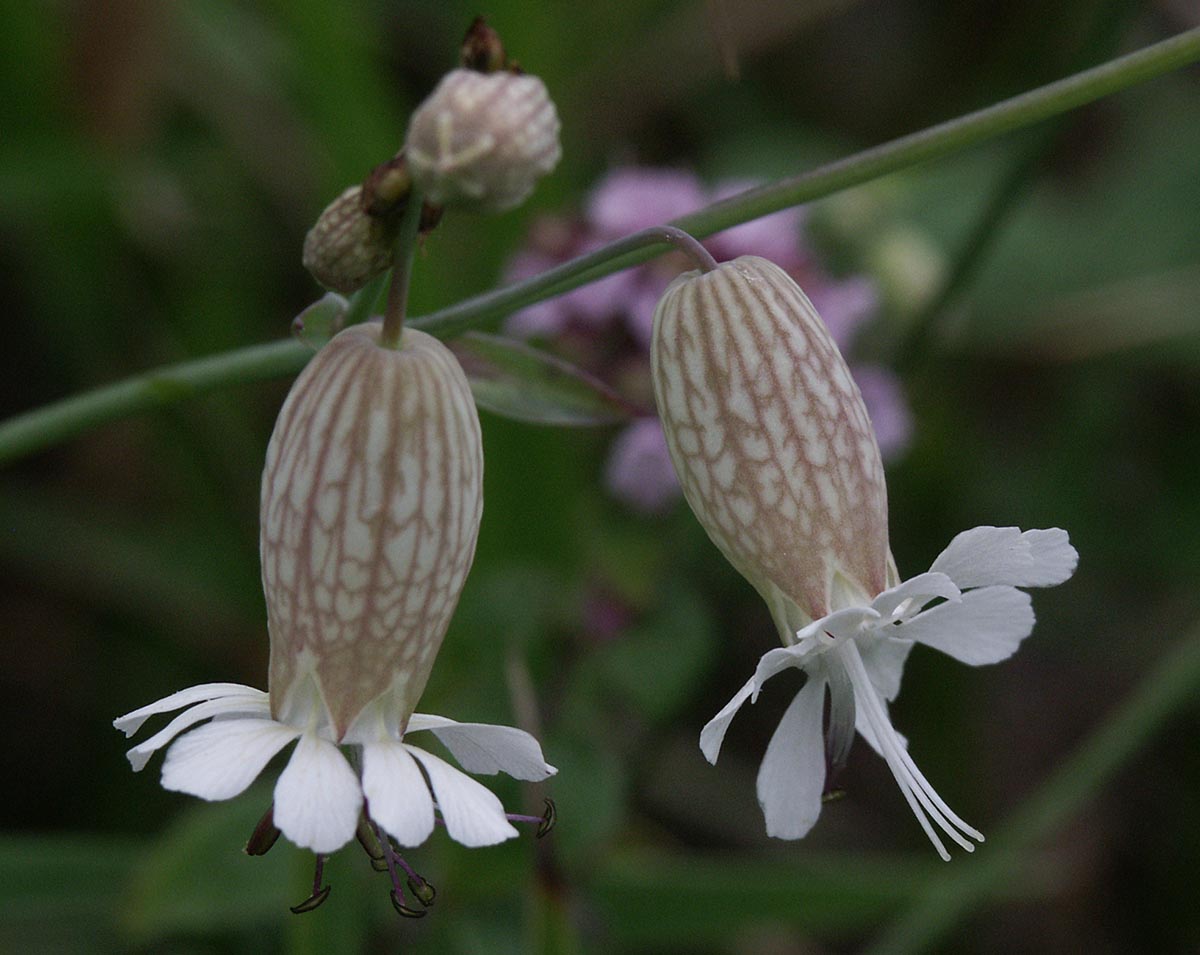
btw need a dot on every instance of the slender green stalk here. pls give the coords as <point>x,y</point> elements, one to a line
<point>45,426</point>
<point>53,423</point>
<point>406,246</point>
<point>1167,689</point>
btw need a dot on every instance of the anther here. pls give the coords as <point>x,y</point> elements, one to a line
<point>264,835</point>
<point>319,894</point>
<point>549,819</point>
<point>424,891</point>
<point>545,821</point>
<point>399,906</point>
<point>365,834</point>
<point>312,902</point>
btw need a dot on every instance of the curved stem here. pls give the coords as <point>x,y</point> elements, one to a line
<point>406,246</point>
<point>612,257</point>
<point>1023,110</point>
<point>46,426</point>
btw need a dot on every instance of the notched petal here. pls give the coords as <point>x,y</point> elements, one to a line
<point>472,813</point>
<point>220,760</point>
<point>791,778</point>
<point>986,556</point>
<point>987,626</point>
<point>487,749</point>
<point>317,798</point>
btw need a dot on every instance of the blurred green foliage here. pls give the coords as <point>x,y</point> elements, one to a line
<point>159,165</point>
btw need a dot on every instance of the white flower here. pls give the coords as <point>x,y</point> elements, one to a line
<point>967,606</point>
<point>775,452</point>
<point>319,795</point>
<point>371,502</point>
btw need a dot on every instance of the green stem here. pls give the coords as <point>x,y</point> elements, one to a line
<point>406,247</point>
<point>1169,687</point>
<point>53,423</point>
<point>45,426</point>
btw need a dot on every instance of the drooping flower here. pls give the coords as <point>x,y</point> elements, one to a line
<point>776,455</point>
<point>371,502</point>
<point>606,325</point>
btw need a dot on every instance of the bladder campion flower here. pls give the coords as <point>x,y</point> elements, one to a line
<point>371,501</point>
<point>483,140</point>
<point>773,447</point>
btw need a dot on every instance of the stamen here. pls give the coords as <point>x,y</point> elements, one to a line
<point>264,836</point>
<point>319,894</point>
<point>924,801</point>
<point>392,858</point>
<point>366,837</point>
<point>545,822</point>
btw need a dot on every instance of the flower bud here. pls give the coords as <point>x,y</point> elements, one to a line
<point>770,438</point>
<point>483,140</point>
<point>348,247</point>
<point>371,500</point>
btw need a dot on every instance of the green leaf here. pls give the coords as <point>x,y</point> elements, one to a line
<point>515,381</point>
<point>323,319</point>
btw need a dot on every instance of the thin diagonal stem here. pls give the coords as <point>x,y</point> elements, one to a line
<point>43,427</point>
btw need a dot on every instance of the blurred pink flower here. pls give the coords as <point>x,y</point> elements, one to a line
<point>639,468</point>
<point>631,198</point>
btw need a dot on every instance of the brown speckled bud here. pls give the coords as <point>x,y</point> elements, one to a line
<point>769,436</point>
<point>348,247</point>
<point>371,500</point>
<point>483,140</point>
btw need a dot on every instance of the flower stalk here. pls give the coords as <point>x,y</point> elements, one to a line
<point>405,250</point>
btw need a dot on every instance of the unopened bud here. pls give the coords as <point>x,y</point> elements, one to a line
<point>483,140</point>
<point>371,500</point>
<point>769,436</point>
<point>482,50</point>
<point>348,246</point>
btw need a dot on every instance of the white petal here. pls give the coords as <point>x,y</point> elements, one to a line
<point>985,627</point>
<point>486,748</point>
<point>243,706</point>
<point>1005,555</point>
<point>920,590</point>
<point>792,776</point>
<point>884,657</point>
<point>131,722</point>
<point>773,662</point>
<point>318,798</point>
<point>397,794</point>
<point>713,733</point>
<point>840,623</point>
<point>472,813</point>
<point>221,759</point>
